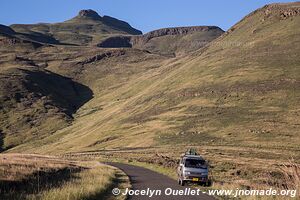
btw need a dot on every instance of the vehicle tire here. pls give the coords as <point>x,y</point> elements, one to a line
<point>182,182</point>
<point>209,183</point>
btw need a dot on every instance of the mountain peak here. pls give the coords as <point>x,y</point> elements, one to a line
<point>90,14</point>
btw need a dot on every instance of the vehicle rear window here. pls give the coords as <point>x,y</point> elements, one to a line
<point>194,163</point>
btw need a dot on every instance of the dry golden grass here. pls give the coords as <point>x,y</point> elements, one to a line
<point>29,176</point>
<point>291,173</point>
<point>19,166</point>
<point>89,184</point>
<point>230,167</point>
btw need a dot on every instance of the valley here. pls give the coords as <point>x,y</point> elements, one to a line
<point>95,88</point>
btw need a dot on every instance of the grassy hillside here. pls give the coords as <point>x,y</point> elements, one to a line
<point>167,41</point>
<point>241,90</point>
<point>8,41</point>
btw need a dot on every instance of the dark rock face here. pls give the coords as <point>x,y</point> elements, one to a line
<point>172,31</point>
<point>120,25</point>
<point>116,42</point>
<point>91,14</point>
<point>6,30</point>
<point>176,41</point>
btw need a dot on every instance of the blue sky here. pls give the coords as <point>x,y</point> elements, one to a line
<point>141,14</point>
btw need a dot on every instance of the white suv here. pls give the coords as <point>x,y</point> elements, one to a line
<point>192,168</point>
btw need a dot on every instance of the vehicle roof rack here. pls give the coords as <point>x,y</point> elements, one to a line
<point>191,153</point>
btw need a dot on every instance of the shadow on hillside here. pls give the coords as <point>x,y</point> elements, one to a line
<point>43,38</point>
<point>40,37</point>
<point>63,92</point>
<point>36,183</point>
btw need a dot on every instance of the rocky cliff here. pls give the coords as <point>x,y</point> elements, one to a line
<point>167,41</point>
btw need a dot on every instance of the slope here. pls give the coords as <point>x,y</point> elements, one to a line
<point>35,103</point>
<point>241,90</point>
<point>9,41</point>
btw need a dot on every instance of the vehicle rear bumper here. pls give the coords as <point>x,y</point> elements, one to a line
<point>196,179</point>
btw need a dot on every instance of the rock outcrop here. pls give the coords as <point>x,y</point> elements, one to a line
<point>112,22</point>
<point>282,11</point>
<point>167,41</point>
<point>172,31</point>
<point>89,14</point>
<point>98,57</point>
